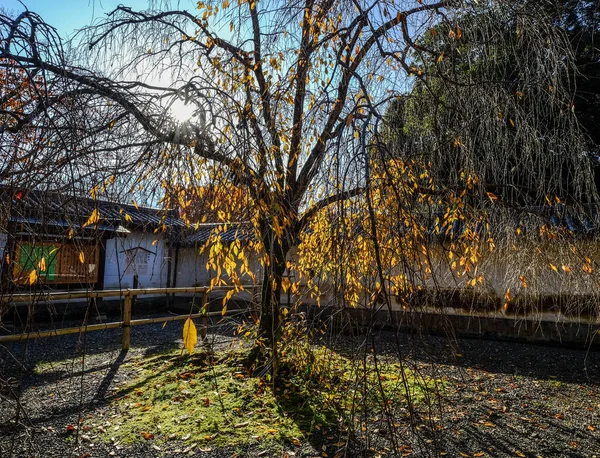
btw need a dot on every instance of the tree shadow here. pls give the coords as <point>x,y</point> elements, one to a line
<point>541,360</point>
<point>319,422</point>
<point>502,398</point>
<point>110,376</point>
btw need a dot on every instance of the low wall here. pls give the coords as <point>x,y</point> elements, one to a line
<point>569,332</point>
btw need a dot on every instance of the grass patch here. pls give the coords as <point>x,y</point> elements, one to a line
<point>211,400</point>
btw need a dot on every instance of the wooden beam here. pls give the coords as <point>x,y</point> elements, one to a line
<point>127,322</point>
<point>55,296</point>
<point>104,326</point>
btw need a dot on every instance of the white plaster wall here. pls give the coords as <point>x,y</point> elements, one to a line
<point>117,273</point>
<point>191,269</point>
<point>505,267</point>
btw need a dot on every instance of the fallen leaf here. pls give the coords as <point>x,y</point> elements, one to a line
<point>147,436</point>
<point>190,448</point>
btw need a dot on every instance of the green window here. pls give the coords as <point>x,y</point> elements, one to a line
<point>31,258</point>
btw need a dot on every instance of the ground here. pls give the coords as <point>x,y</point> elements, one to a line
<point>496,399</point>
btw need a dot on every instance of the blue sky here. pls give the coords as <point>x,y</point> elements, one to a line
<point>69,15</point>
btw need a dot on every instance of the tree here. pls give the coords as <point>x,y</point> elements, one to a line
<point>494,98</point>
<point>495,120</point>
<point>279,98</point>
<point>581,21</point>
<point>287,101</point>
<point>217,201</point>
<point>55,132</point>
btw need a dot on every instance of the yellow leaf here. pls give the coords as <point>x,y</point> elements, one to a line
<point>553,267</point>
<point>520,454</point>
<point>93,219</point>
<point>81,257</point>
<point>566,268</point>
<point>42,264</point>
<point>190,335</point>
<point>128,218</point>
<point>32,277</point>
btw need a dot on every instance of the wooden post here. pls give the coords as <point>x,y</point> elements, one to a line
<point>127,320</point>
<point>136,285</point>
<point>204,324</point>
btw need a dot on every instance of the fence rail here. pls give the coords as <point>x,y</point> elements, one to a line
<point>127,322</point>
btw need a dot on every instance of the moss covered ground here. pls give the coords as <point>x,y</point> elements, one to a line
<point>209,400</point>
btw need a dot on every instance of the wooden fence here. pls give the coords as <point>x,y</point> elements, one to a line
<point>127,322</point>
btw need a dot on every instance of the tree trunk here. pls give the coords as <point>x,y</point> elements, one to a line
<point>269,332</point>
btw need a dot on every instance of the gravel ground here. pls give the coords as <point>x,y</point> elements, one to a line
<point>502,399</point>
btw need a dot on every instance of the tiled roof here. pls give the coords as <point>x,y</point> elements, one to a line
<point>576,221</point>
<point>56,209</point>
<point>227,232</point>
